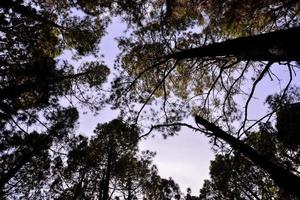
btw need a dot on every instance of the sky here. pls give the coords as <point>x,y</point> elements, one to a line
<point>185,157</point>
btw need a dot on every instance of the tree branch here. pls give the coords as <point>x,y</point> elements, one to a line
<point>282,177</point>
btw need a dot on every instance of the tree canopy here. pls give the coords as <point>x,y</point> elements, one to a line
<point>179,59</point>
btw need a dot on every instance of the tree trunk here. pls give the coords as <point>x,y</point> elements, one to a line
<point>78,190</point>
<point>107,176</point>
<point>275,46</point>
<point>282,177</point>
<point>129,189</point>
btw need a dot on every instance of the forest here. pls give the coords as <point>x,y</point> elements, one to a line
<point>204,60</point>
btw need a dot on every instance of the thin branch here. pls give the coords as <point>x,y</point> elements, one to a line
<point>57,152</point>
<point>12,119</point>
<point>154,90</point>
<point>165,98</point>
<point>168,125</point>
<point>141,74</point>
<point>37,119</point>
<point>214,83</point>
<point>269,115</point>
<point>264,71</point>
<point>236,80</point>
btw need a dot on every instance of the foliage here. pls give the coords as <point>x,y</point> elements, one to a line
<point>208,78</point>
<point>25,156</point>
<point>174,65</point>
<point>159,188</point>
<point>108,166</point>
<point>235,177</point>
<point>181,58</point>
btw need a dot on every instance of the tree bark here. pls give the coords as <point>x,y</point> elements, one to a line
<point>107,176</point>
<point>275,46</point>
<point>129,189</point>
<point>282,177</point>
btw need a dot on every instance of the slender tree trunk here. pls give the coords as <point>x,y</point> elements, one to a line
<point>282,177</point>
<point>107,177</point>
<point>275,46</point>
<point>245,188</point>
<point>129,189</point>
<point>78,190</point>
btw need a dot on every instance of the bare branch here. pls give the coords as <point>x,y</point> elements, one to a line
<point>264,71</point>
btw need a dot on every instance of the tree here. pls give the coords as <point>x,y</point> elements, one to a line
<point>105,167</point>
<point>282,177</point>
<point>160,188</point>
<point>25,157</point>
<point>189,196</point>
<point>287,126</point>
<point>33,80</point>
<point>35,34</point>
<point>238,18</point>
<point>167,62</point>
<point>35,77</point>
<point>236,177</point>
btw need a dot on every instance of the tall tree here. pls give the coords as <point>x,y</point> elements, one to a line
<point>33,79</point>
<point>105,167</point>
<point>34,35</point>
<point>25,156</point>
